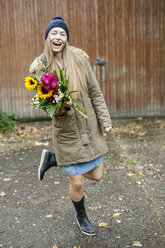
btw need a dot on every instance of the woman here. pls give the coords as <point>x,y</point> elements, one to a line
<point>78,143</point>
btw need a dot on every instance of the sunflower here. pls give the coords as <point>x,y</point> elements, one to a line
<point>30,83</point>
<point>42,93</point>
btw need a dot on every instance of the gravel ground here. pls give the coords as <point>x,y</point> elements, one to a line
<point>129,201</point>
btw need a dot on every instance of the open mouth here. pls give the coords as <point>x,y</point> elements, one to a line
<point>57,44</point>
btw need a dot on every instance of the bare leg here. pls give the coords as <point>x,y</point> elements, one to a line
<point>76,189</point>
<point>95,174</point>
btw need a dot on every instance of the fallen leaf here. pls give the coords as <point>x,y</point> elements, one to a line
<point>116,210</point>
<point>49,216</point>
<point>41,143</point>
<point>3,194</point>
<point>157,121</point>
<point>1,245</point>
<point>103,224</point>
<point>137,244</point>
<point>130,174</point>
<point>7,179</point>
<point>21,158</point>
<point>54,246</point>
<point>142,133</point>
<point>138,127</point>
<point>117,214</point>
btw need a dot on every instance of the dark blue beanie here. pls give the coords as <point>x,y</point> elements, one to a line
<point>57,22</point>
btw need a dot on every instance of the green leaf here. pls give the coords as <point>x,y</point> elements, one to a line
<point>43,103</point>
<point>64,86</point>
<point>62,106</point>
<point>130,162</point>
<point>38,76</point>
<point>56,72</point>
<point>71,92</point>
<point>80,109</point>
<point>51,109</point>
<point>61,75</point>
<point>84,115</point>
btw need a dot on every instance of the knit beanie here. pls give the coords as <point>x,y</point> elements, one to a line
<point>57,21</point>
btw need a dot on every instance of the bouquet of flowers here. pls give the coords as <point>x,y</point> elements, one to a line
<point>51,92</point>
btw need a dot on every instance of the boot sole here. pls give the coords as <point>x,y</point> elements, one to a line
<point>41,162</point>
<point>89,234</point>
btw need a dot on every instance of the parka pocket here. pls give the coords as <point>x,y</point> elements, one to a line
<point>65,123</point>
<point>67,145</point>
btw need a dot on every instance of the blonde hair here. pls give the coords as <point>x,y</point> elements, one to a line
<point>74,60</point>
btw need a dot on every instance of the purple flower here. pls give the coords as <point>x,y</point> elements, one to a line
<point>47,87</point>
<point>47,81</point>
<point>54,83</point>
<point>52,76</point>
<point>43,78</point>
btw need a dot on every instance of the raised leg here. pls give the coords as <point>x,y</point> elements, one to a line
<point>95,174</point>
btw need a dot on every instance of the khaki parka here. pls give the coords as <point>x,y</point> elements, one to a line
<point>76,139</point>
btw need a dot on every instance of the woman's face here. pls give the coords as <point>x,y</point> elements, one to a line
<point>58,39</point>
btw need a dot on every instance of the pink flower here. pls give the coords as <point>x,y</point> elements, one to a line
<point>52,76</point>
<point>47,81</point>
<point>43,78</point>
<point>47,87</point>
<point>54,83</point>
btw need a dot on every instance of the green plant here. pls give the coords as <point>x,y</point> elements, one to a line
<point>130,162</point>
<point>7,122</point>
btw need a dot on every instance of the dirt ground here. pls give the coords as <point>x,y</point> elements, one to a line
<point>127,207</point>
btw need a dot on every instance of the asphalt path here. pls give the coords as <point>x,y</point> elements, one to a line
<point>40,214</point>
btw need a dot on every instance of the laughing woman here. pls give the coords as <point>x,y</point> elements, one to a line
<point>79,144</point>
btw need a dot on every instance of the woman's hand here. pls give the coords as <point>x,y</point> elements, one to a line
<point>107,129</point>
<point>68,104</point>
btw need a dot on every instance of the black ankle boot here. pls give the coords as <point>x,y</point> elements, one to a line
<point>48,160</point>
<point>82,219</point>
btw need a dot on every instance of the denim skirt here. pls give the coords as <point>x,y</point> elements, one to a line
<point>81,168</point>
